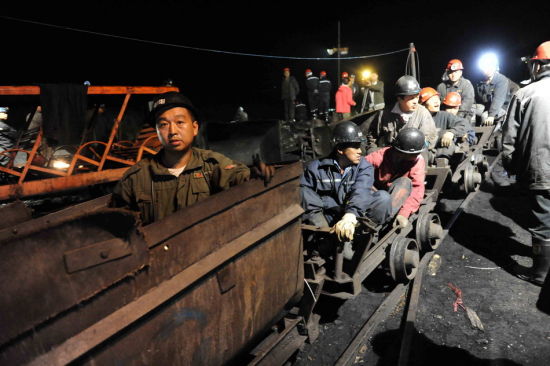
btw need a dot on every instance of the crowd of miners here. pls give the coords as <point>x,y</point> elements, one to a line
<point>384,183</point>
<point>346,185</point>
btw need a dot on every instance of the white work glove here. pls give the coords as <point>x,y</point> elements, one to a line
<point>345,228</point>
<point>489,121</point>
<point>401,221</point>
<point>447,139</point>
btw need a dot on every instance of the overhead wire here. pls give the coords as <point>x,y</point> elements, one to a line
<point>197,48</point>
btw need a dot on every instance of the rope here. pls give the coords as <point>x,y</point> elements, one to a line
<point>199,48</point>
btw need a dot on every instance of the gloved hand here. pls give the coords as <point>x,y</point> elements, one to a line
<point>447,139</point>
<point>489,121</point>
<point>262,170</point>
<point>345,228</point>
<point>401,221</point>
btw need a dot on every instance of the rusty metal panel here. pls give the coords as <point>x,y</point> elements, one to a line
<point>14,213</point>
<point>95,254</point>
<point>214,325</point>
<point>40,287</point>
<point>206,327</point>
<point>180,221</point>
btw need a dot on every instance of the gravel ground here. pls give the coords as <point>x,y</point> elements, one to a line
<point>476,256</point>
<point>487,239</point>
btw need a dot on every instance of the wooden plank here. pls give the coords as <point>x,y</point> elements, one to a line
<point>83,342</point>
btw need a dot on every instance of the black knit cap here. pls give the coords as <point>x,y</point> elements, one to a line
<point>169,100</point>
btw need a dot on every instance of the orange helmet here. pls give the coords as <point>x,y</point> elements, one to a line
<point>426,93</point>
<point>453,99</point>
<point>455,64</point>
<point>345,74</point>
<point>308,72</point>
<point>323,73</point>
<point>542,52</point>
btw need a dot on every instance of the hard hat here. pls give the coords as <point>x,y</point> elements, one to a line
<point>542,52</point>
<point>455,64</point>
<point>169,100</point>
<point>345,74</point>
<point>452,99</point>
<point>323,73</point>
<point>286,69</point>
<point>308,72</point>
<point>426,93</point>
<point>407,85</point>
<point>346,132</point>
<point>409,141</point>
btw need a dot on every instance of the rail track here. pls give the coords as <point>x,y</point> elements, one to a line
<point>411,292</point>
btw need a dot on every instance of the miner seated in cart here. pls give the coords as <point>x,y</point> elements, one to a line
<point>454,132</point>
<point>345,186</point>
<point>179,175</point>
<point>401,170</point>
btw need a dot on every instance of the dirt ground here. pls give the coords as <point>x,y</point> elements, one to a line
<point>476,256</point>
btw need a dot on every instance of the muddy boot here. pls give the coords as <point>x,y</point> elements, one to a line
<point>541,263</point>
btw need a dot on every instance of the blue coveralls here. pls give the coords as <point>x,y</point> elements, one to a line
<point>327,194</point>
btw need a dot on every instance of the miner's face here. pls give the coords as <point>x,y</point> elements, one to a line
<point>176,129</point>
<point>408,103</point>
<point>455,75</point>
<point>433,104</point>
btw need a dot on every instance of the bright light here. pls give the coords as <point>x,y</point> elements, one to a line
<point>488,62</point>
<point>365,74</point>
<point>343,51</point>
<point>60,164</point>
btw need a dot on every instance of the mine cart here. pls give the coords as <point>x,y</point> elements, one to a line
<point>215,283</point>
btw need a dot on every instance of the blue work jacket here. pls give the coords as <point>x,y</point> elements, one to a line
<point>325,189</point>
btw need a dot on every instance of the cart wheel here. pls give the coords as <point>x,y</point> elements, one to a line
<point>428,231</point>
<point>471,178</point>
<point>404,259</point>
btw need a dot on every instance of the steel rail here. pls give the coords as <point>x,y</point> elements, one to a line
<point>414,294</point>
<point>390,302</point>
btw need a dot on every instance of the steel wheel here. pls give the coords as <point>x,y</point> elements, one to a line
<point>428,231</point>
<point>404,259</point>
<point>471,179</point>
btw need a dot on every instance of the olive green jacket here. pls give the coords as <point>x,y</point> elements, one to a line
<point>148,186</point>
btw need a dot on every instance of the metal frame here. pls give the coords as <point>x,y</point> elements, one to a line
<point>96,170</point>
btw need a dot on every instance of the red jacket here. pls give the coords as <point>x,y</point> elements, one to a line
<point>385,174</point>
<point>344,99</point>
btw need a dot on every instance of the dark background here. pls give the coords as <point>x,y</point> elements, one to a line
<point>218,83</point>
